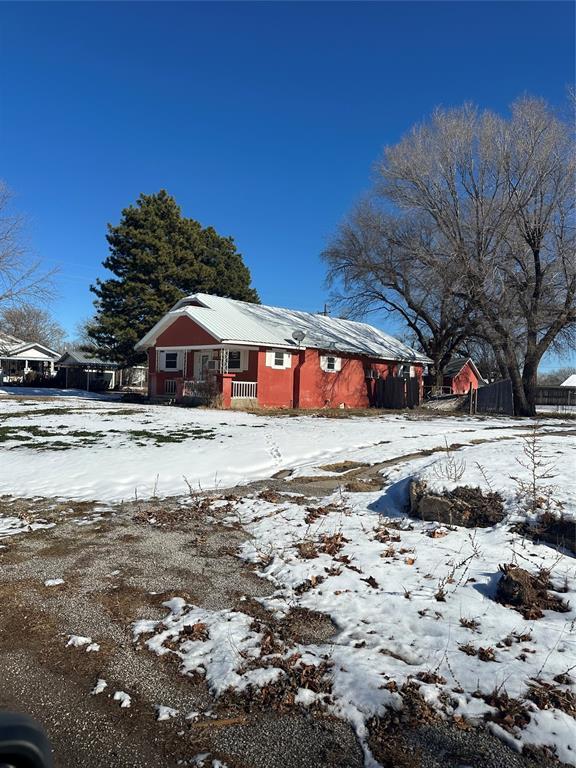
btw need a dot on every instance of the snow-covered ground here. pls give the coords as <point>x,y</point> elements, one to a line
<point>411,601</point>
<point>54,392</point>
<point>418,603</point>
<point>88,449</point>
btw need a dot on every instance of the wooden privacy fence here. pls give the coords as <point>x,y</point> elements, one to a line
<point>560,396</point>
<point>396,392</point>
<point>493,398</point>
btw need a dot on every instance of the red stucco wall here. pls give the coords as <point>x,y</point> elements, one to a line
<point>275,385</point>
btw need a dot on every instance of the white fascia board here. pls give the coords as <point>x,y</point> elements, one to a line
<point>15,353</point>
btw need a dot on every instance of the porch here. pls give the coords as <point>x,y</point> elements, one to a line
<point>14,370</point>
<point>223,387</point>
<point>225,375</point>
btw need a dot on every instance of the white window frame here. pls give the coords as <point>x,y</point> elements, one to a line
<point>244,360</point>
<point>271,361</point>
<point>327,367</point>
<point>406,371</point>
<point>162,360</point>
<point>233,369</point>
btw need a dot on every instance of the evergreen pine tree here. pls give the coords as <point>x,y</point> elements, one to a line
<point>157,256</point>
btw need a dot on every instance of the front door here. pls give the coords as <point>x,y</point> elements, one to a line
<point>201,365</point>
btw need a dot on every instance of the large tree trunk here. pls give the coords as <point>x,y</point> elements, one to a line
<point>521,404</point>
<point>529,382</point>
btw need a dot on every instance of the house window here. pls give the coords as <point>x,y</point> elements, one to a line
<point>171,361</point>
<point>170,387</point>
<point>406,371</point>
<point>234,360</point>
<point>330,363</point>
<point>278,358</point>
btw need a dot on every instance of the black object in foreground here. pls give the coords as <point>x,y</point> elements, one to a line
<point>23,742</point>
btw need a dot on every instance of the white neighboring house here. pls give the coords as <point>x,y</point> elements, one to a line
<point>570,381</point>
<point>20,360</point>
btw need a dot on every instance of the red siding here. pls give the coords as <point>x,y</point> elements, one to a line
<point>184,333</point>
<point>460,384</point>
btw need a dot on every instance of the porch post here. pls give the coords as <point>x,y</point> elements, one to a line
<point>225,381</point>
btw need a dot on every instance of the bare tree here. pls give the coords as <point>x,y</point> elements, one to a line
<point>31,323</point>
<point>556,377</point>
<point>497,197</point>
<point>378,262</point>
<point>21,278</point>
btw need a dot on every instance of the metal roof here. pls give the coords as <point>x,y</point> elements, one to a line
<point>240,322</point>
<point>455,365</point>
<point>78,357</point>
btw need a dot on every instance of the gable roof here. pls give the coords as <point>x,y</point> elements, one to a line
<point>455,365</point>
<point>10,346</point>
<point>78,357</point>
<point>238,322</point>
<point>570,381</point>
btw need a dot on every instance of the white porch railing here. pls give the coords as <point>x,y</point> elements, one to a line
<point>245,389</point>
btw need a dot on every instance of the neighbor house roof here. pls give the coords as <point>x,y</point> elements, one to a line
<point>457,363</point>
<point>75,357</point>
<point>10,346</point>
<point>570,381</point>
<point>238,322</point>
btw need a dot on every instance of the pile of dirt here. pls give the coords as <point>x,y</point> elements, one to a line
<point>527,593</point>
<point>557,530</point>
<point>464,506</point>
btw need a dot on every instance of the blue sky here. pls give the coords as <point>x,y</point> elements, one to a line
<point>262,119</point>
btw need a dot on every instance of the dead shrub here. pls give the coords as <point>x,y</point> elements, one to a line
<point>472,624</point>
<point>548,696</point>
<point>527,593</point>
<point>307,549</point>
<point>511,713</point>
<point>198,631</point>
<point>331,544</point>
<point>383,535</point>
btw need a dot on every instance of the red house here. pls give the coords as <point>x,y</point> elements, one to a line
<point>460,374</point>
<point>210,347</point>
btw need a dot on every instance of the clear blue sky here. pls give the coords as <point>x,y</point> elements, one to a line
<point>262,119</point>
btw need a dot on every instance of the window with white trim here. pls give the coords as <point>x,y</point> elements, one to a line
<point>278,358</point>
<point>170,361</point>
<point>407,371</point>
<point>234,360</point>
<point>330,363</point>
<point>170,387</point>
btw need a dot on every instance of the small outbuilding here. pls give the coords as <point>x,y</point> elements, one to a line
<point>80,370</point>
<point>460,374</point>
